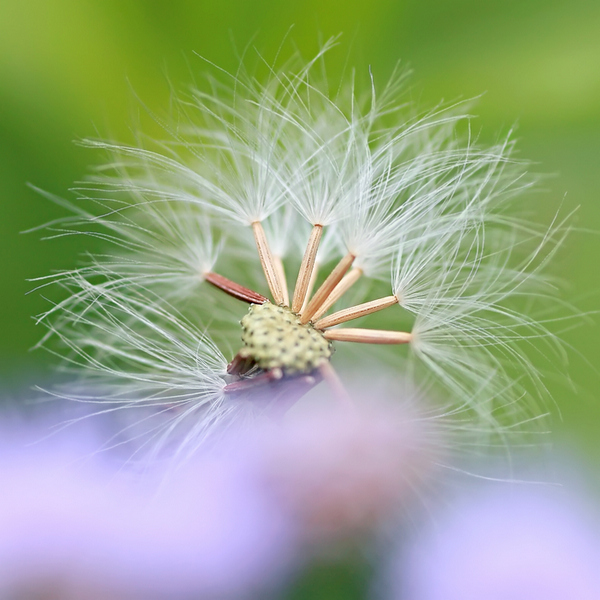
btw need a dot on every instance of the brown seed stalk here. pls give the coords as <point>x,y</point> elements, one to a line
<point>306,268</point>
<point>368,336</point>
<point>267,262</point>
<point>354,312</point>
<point>260,380</point>
<point>240,364</point>
<point>311,287</point>
<point>327,287</point>
<point>280,269</point>
<point>234,289</point>
<point>340,289</point>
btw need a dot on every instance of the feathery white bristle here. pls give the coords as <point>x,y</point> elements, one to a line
<point>132,353</point>
<point>471,296</point>
<point>163,245</point>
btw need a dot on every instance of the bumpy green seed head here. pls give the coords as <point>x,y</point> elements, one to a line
<point>274,337</point>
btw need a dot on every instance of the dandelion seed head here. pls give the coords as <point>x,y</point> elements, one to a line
<point>368,194</point>
<point>275,338</point>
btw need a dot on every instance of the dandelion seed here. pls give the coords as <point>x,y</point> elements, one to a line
<point>375,192</point>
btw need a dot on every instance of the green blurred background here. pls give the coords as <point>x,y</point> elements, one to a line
<point>68,68</point>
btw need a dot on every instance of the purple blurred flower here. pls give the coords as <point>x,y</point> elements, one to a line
<point>79,529</point>
<point>343,475</point>
<point>229,522</point>
<point>516,544</point>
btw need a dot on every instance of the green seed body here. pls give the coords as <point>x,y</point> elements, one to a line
<point>274,337</point>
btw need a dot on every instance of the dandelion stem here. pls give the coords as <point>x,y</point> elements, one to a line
<point>280,269</point>
<point>327,287</point>
<point>354,312</point>
<point>368,336</point>
<point>291,391</point>
<point>306,268</point>
<point>267,262</point>
<point>340,289</point>
<point>335,383</point>
<point>234,289</point>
